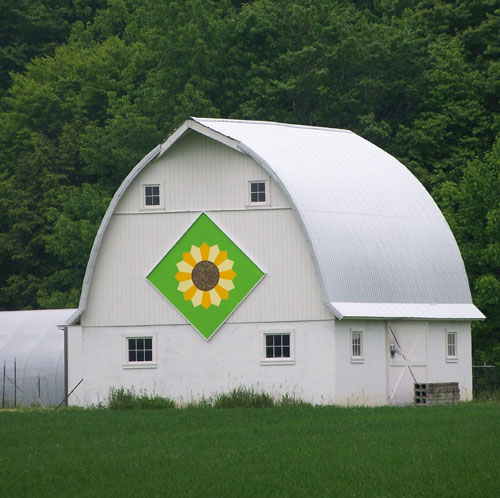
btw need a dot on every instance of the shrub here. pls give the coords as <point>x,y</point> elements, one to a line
<point>243,397</point>
<point>127,399</point>
<point>288,400</point>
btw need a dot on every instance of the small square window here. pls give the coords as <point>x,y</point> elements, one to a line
<point>151,195</point>
<point>357,346</point>
<point>451,346</point>
<point>258,192</point>
<point>278,348</point>
<point>140,352</point>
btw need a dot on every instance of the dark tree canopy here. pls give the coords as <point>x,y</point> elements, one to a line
<point>87,87</point>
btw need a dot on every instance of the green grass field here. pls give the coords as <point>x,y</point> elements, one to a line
<point>295,451</point>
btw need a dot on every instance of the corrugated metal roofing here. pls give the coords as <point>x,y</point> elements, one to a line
<point>375,233</point>
<point>377,238</point>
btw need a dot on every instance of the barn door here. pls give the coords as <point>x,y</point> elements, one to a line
<point>407,363</point>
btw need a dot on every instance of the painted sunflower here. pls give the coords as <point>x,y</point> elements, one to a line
<point>205,275</point>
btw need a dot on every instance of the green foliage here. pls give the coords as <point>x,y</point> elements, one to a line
<point>88,87</point>
<point>128,399</point>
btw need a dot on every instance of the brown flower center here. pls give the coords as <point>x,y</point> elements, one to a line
<point>205,275</point>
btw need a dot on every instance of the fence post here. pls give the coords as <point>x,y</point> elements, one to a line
<point>3,384</point>
<point>15,383</point>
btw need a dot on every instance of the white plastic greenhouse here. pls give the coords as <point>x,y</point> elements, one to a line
<point>32,369</point>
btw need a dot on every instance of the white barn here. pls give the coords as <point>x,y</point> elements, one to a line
<point>291,259</point>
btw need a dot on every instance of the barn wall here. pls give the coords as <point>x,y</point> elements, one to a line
<point>441,370</point>
<point>197,174</point>
<point>189,367</point>
<point>361,383</point>
<point>368,382</point>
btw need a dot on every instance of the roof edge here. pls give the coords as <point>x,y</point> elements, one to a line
<point>406,311</point>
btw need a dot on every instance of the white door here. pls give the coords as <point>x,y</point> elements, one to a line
<point>407,359</point>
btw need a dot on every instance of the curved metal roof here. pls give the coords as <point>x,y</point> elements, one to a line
<point>381,246</point>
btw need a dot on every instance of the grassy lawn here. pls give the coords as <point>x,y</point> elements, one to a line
<point>296,451</point>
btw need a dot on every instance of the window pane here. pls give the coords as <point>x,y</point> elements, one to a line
<point>286,351</point>
<point>149,201</point>
<point>254,197</point>
<point>140,355</point>
<point>132,356</point>
<point>253,187</point>
<point>131,343</point>
<point>261,196</point>
<point>269,340</point>
<point>269,352</point>
<point>140,343</point>
<point>277,352</point>
<point>149,191</point>
<point>148,355</point>
<point>277,340</point>
<point>148,343</point>
<point>155,190</point>
<point>286,340</point>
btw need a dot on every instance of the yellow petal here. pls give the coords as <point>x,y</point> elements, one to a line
<point>226,284</point>
<point>220,258</point>
<point>181,276</point>
<point>204,250</point>
<point>221,291</point>
<point>184,267</point>
<point>186,256</point>
<point>205,300</point>
<point>214,251</point>
<point>226,265</point>
<point>214,297</point>
<point>185,285</point>
<point>198,295</point>
<point>229,274</point>
<point>188,295</point>
<point>195,252</point>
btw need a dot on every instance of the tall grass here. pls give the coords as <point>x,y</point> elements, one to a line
<point>127,399</point>
<point>286,451</point>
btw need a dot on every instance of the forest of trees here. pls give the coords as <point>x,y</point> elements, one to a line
<point>88,87</point>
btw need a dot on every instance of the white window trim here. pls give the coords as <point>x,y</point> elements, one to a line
<point>138,364</point>
<point>257,203</point>
<point>160,206</point>
<point>361,358</point>
<point>451,359</point>
<point>277,361</point>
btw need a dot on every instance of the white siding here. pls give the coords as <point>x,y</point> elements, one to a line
<point>367,382</point>
<point>136,239</point>
<point>361,383</point>
<point>199,174</point>
<point>189,367</point>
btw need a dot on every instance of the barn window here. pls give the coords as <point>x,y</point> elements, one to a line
<point>451,346</point>
<point>258,192</point>
<point>151,195</point>
<point>140,351</point>
<point>357,346</point>
<point>278,348</point>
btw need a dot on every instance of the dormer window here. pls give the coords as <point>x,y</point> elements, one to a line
<point>258,192</point>
<point>151,195</point>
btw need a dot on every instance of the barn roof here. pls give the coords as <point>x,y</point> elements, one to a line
<point>380,244</point>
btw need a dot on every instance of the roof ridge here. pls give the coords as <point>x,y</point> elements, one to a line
<point>270,123</point>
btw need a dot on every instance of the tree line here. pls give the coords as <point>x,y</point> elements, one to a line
<point>88,87</point>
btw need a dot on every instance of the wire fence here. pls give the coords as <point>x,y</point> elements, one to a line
<point>486,382</point>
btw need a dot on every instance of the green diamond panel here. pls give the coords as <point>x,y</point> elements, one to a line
<point>205,276</point>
